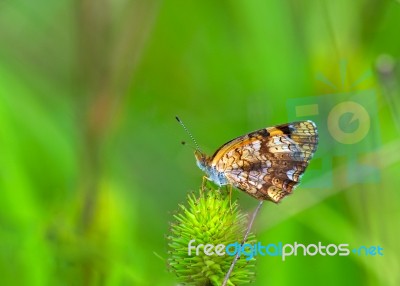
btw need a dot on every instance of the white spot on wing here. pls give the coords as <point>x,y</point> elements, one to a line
<point>289,174</point>
<point>256,145</point>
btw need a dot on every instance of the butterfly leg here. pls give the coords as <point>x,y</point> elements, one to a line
<point>228,190</point>
<point>204,181</point>
<point>230,195</point>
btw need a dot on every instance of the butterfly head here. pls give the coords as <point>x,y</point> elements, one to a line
<point>201,160</point>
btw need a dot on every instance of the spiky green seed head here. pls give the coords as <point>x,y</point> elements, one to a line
<point>210,218</point>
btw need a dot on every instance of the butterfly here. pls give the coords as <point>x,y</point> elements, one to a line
<point>266,164</point>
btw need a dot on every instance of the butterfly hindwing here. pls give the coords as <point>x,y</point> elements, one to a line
<point>268,163</point>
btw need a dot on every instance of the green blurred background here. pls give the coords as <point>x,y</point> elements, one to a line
<point>91,162</point>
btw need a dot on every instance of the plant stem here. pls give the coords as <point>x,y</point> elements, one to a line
<point>228,274</point>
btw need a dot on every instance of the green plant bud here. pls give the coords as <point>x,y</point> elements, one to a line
<point>210,218</point>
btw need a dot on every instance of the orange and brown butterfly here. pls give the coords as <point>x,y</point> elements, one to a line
<point>266,164</point>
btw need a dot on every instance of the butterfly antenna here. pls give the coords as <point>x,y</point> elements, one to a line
<point>190,134</point>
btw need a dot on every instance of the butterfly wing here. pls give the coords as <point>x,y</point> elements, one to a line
<point>268,163</point>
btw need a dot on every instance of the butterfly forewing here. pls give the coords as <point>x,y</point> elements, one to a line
<point>268,163</point>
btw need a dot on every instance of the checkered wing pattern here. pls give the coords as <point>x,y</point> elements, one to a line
<point>268,163</point>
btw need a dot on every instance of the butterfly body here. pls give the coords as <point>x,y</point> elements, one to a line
<point>267,163</point>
